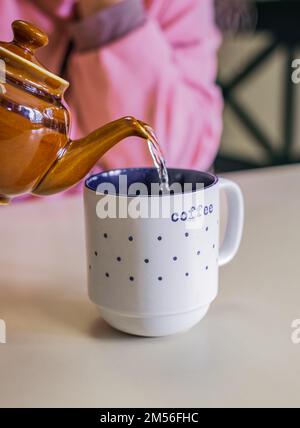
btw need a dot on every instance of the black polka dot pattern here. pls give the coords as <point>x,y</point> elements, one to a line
<point>131,278</point>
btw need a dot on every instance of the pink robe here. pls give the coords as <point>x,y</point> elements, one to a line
<point>162,72</point>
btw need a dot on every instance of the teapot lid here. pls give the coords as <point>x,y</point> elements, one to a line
<point>21,63</point>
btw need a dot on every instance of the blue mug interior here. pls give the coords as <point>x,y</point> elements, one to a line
<point>149,176</point>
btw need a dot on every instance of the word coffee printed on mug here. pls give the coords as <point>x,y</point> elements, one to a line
<point>296,332</point>
<point>296,72</point>
<point>2,332</point>
<point>2,77</point>
<point>148,204</point>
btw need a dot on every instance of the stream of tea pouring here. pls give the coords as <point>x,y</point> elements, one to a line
<point>158,159</point>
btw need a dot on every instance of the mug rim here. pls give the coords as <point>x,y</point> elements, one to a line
<point>88,180</point>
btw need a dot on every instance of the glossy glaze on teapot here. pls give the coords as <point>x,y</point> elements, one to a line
<point>36,154</point>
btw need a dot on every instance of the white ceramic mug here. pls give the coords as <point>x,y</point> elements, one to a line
<point>158,276</point>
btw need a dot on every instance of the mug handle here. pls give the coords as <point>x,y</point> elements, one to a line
<point>235,223</point>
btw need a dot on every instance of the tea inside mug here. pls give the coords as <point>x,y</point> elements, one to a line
<point>146,182</point>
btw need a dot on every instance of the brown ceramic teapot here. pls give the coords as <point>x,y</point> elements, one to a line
<point>36,154</point>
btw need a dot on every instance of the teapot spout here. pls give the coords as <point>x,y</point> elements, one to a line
<point>78,157</point>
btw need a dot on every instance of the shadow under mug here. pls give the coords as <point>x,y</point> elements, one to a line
<point>155,276</point>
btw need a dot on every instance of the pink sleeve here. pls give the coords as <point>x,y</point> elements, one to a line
<point>163,73</point>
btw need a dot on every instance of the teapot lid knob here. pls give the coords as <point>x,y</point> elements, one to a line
<point>28,36</point>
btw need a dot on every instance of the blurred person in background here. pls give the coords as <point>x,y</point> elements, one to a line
<point>153,59</point>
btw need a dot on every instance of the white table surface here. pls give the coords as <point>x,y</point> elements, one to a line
<point>60,353</point>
